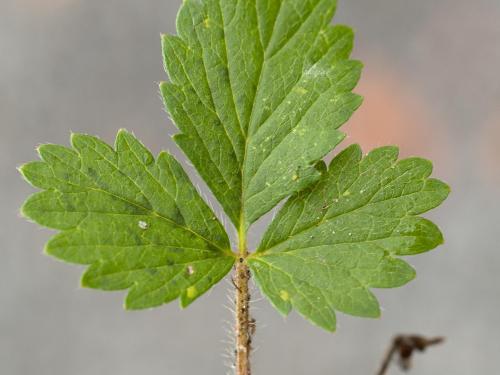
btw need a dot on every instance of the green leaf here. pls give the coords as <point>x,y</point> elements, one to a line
<point>138,223</point>
<point>258,91</point>
<point>334,241</point>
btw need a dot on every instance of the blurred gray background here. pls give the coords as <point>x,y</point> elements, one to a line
<point>431,85</point>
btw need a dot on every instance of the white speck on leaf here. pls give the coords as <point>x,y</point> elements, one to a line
<point>143,224</point>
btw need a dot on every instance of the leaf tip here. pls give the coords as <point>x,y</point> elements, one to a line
<point>43,149</point>
<point>447,188</point>
<point>123,132</point>
<point>128,305</point>
<point>352,151</point>
<point>332,328</point>
<point>24,212</point>
<point>123,135</point>
<point>20,169</point>
<point>327,323</point>
<point>84,280</point>
<point>355,148</point>
<point>412,275</point>
<point>23,171</point>
<point>188,296</point>
<point>27,210</point>
<point>74,138</point>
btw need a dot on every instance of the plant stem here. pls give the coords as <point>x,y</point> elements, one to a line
<point>404,346</point>
<point>244,323</point>
<point>387,360</point>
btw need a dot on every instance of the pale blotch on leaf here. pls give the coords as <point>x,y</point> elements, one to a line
<point>284,295</point>
<point>190,270</point>
<point>142,224</point>
<point>191,292</point>
<point>300,90</point>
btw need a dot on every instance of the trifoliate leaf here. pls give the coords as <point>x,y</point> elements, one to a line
<point>258,90</point>
<point>138,223</point>
<point>334,241</point>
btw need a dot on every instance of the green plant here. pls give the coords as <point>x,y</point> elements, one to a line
<point>258,90</point>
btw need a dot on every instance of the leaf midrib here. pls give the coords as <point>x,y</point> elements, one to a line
<point>327,218</point>
<point>151,211</point>
<point>250,130</point>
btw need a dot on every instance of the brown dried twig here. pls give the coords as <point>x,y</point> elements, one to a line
<point>404,346</point>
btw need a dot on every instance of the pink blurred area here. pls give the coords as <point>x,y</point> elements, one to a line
<point>431,85</point>
<point>489,150</point>
<point>395,113</point>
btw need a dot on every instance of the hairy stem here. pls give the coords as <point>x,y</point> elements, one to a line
<point>244,325</point>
